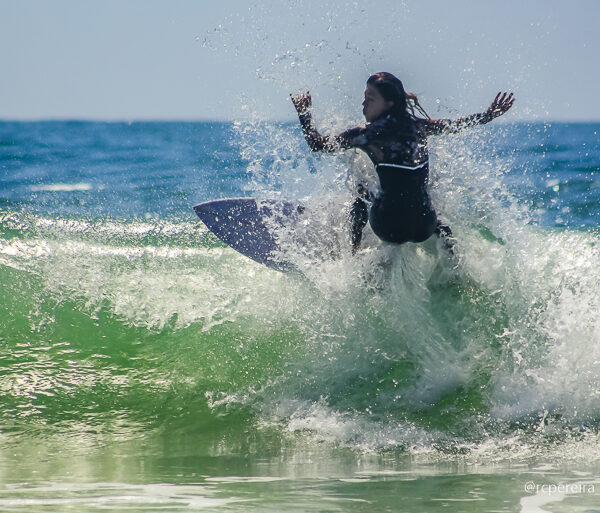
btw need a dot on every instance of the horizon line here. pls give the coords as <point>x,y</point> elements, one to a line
<point>58,119</point>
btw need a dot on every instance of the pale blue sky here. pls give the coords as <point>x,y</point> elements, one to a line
<point>184,59</point>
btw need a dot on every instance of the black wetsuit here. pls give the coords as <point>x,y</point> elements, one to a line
<point>402,210</point>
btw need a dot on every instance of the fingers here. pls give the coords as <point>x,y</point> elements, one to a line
<point>296,98</point>
<point>500,99</point>
<point>506,102</point>
<point>300,96</point>
<point>509,101</point>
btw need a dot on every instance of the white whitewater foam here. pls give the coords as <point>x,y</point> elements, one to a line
<point>63,187</point>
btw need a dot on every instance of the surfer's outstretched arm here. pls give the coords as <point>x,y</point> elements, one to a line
<point>315,140</point>
<point>499,106</point>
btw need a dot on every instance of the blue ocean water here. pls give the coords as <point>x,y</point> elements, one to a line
<point>145,365</point>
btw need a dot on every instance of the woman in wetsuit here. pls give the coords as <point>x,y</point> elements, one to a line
<point>396,142</point>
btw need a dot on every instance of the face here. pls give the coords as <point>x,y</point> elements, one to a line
<point>374,105</point>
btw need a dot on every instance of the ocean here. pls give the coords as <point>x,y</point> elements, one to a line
<point>145,366</point>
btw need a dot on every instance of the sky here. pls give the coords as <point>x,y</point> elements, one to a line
<point>197,59</point>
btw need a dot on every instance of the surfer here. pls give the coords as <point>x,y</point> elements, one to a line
<point>395,139</point>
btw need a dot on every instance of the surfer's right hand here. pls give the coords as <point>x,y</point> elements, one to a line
<point>302,102</point>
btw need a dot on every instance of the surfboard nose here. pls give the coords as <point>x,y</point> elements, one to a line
<point>246,226</point>
<point>211,208</point>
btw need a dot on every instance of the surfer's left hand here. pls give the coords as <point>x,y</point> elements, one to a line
<point>500,105</point>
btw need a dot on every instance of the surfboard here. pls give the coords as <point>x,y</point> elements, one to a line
<point>254,228</point>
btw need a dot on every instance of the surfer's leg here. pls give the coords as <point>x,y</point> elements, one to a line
<point>444,232</point>
<point>359,216</point>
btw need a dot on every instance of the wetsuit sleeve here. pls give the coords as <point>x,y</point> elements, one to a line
<point>315,140</point>
<point>452,126</point>
<point>352,138</point>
